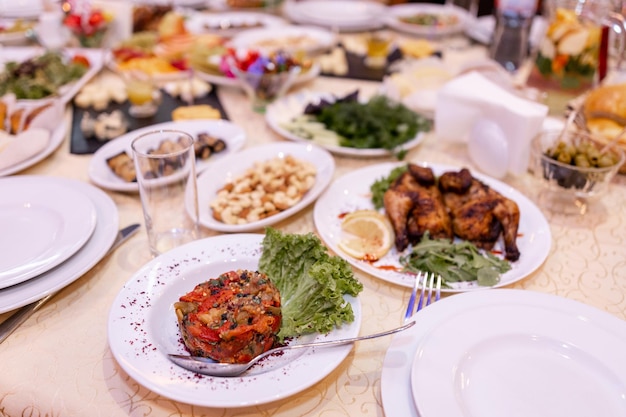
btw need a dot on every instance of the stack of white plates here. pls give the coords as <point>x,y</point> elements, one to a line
<point>53,231</point>
<point>507,353</point>
<point>342,15</point>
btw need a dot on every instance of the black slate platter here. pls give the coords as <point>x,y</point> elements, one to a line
<point>81,145</point>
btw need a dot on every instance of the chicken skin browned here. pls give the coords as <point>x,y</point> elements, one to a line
<point>479,213</point>
<point>415,205</point>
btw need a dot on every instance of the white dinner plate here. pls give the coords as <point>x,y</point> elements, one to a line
<point>103,176</point>
<point>286,108</point>
<point>228,169</point>
<point>90,254</point>
<point>394,13</point>
<point>230,23</point>
<point>43,221</point>
<point>344,15</point>
<point>66,92</point>
<point>143,329</point>
<point>507,353</point>
<point>287,38</point>
<point>352,192</point>
<point>56,138</point>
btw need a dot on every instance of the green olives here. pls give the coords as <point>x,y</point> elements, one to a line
<point>584,155</point>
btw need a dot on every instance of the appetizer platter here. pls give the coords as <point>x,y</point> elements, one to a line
<point>286,117</point>
<point>211,66</point>
<point>427,19</point>
<point>162,53</point>
<point>307,167</point>
<point>142,352</point>
<point>80,64</point>
<point>115,156</point>
<point>352,193</point>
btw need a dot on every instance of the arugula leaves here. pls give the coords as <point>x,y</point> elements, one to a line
<point>455,262</point>
<point>311,283</point>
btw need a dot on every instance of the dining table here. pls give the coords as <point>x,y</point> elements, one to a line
<point>59,363</point>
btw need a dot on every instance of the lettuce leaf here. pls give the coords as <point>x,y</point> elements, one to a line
<point>312,283</point>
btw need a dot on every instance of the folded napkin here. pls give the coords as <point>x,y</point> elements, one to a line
<point>18,148</point>
<point>472,97</point>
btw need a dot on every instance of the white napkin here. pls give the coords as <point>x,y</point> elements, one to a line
<point>472,97</point>
<point>17,148</point>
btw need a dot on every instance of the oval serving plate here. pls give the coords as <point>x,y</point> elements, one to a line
<point>285,109</point>
<point>352,192</point>
<point>103,176</point>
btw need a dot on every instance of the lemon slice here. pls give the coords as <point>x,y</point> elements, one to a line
<point>368,235</point>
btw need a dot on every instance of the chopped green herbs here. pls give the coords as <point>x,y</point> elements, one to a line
<point>455,262</point>
<point>379,123</point>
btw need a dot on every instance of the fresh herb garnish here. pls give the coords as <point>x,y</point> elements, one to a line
<point>379,123</point>
<point>312,283</point>
<point>455,262</point>
<point>381,185</point>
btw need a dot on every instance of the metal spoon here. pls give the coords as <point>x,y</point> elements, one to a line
<point>207,366</point>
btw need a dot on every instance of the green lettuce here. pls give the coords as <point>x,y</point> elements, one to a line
<point>312,283</point>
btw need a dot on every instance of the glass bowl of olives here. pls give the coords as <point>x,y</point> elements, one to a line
<point>574,163</point>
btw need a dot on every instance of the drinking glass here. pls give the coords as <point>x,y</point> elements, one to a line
<point>143,94</point>
<point>166,175</point>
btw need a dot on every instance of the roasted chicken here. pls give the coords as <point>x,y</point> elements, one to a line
<point>479,213</point>
<point>414,205</point>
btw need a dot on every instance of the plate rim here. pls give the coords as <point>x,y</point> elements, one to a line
<point>98,160</point>
<point>188,257</point>
<point>320,221</point>
<point>78,226</point>
<point>308,150</point>
<point>89,255</point>
<point>303,96</point>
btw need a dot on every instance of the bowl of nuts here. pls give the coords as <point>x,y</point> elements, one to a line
<point>574,164</point>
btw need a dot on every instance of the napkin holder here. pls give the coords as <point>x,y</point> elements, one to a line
<point>470,98</point>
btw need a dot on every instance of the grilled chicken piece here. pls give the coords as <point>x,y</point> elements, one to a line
<point>414,205</point>
<point>479,213</point>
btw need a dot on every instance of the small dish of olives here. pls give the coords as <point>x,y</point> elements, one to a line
<point>574,162</point>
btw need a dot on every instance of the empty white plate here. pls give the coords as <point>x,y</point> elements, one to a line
<point>43,223</point>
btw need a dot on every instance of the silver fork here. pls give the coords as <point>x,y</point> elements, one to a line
<point>428,283</point>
